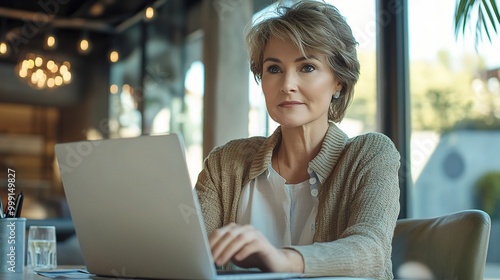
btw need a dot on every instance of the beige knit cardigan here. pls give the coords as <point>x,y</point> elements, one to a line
<point>358,198</point>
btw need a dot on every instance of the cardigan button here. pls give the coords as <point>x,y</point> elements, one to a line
<point>314,192</point>
<point>312,181</point>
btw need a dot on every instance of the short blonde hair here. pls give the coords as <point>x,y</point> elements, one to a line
<point>312,26</point>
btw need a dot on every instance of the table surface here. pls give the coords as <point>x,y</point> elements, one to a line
<point>490,274</point>
<point>30,275</point>
<point>26,275</point>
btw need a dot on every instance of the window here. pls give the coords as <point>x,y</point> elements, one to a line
<point>455,103</point>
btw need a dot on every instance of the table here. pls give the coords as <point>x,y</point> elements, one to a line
<point>21,276</point>
<point>30,275</point>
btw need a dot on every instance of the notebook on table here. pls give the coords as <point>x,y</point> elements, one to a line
<point>135,211</point>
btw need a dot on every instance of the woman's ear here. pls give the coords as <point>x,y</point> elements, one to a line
<point>339,86</point>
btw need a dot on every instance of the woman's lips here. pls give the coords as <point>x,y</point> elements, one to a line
<point>288,104</point>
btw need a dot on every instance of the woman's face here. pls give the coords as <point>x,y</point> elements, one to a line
<point>298,90</point>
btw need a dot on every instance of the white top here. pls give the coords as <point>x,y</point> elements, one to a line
<point>284,213</point>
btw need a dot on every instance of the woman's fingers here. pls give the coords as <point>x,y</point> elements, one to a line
<point>243,240</point>
<point>226,240</point>
<point>247,247</point>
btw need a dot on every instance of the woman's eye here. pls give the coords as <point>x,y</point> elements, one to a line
<point>308,68</point>
<point>273,69</point>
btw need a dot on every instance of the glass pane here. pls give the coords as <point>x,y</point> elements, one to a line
<point>171,88</point>
<point>361,114</point>
<point>455,103</point>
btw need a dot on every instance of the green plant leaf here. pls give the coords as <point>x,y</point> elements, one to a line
<point>463,12</point>
<point>459,15</point>
<point>481,22</point>
<point>462,15</point>
<point>494,7</point>
<point>490,16</point>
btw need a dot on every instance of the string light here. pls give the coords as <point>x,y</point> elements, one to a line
<point>84,44</point>
<point>114,56</point>
<point>113,89</point>
<point>4,47</point>
<point>149,13</point>
<point>44,73</point>
<point>50,41</point>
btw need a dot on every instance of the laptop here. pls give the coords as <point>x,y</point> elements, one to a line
<point>135,211</point>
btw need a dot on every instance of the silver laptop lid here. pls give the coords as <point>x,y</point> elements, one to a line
<point>133,208</point>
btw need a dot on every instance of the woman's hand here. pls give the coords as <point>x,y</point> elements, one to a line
<point>247,247</point>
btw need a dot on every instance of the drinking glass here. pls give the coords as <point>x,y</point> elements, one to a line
<point>42,253</point>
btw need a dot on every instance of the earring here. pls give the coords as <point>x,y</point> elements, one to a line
<point>337,94</point>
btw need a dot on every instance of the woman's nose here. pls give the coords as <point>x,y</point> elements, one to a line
<point>289,83</point>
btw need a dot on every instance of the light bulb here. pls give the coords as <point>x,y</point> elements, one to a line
<point>58,80</point>
<point>38,61</point>
<point>114,56</point>
<point>84,45</point>
<point>67,77</point>
<point>23,73</point>
<point>51,41</point>
<point>50,64</point>
<point>63,69</point>
<point>51,82</point>
<point>3,48</point>
<point>149,13</point>
<point>113,89</point>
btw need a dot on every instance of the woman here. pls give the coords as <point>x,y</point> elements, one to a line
<point>306,199</point>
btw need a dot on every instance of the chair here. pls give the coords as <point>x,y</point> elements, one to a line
<point>447,247</point>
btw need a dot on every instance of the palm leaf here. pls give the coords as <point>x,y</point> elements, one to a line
<point>495,9</point>
<point>490,16</point>
<point>462,14</point>
<point>486,11</point>
<point>481,23</point>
